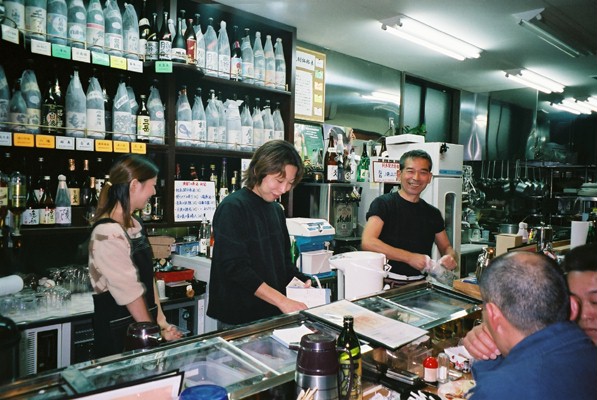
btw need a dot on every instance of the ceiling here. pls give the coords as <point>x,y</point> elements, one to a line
<point>352,27</point>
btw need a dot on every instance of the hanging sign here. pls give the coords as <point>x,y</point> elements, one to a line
<point>309,90</point>
<point>193,200</point>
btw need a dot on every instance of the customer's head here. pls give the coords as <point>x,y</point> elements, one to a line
<point>272,158</point>
<point>580,265</point>
<point>131,184</point>
<point>523,293</point>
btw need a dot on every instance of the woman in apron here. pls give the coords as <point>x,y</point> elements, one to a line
<point>120,257</point>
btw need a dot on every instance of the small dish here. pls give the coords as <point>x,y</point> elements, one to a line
<point>455,390</point>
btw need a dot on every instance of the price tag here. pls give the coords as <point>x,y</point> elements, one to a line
<point>84,144</point>
<point>5,139</point>
<point>139,148</point>
<point>103,146</point>
<point>122,147</point>
<point>163,67</point>
<point>39,47</point>
<point>81,55</point>
<point>65,143</point>
<point>24,139</point>
<point>61,51</point>
<point>385,171</point>
<point>100,59</point>
<point>118,62</point>
<point>135,66</point>
<point>45,141</point>
<point>10,34</point>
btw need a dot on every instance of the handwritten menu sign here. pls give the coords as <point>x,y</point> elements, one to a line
<point>193,200</point>
<point>309,91</point>
<point>385,171</point>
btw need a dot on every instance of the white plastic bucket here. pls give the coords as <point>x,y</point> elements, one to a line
<point>362,273</point>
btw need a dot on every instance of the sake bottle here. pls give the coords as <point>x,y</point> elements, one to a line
<point>63,205</point>
<point>348,341</point>
<point>221,136</point>
<point>157,121</point>
<point>246,121</point>
<point>17,109</point>
<point>278,123</point>
<point>30,216</point>
<point>258,131</point>
<point>57,21</point>
<point>134,110</point>
<point>36,19</point>
<point>4,99</point>
<point>165,40</point>
<point>130,32</point>
<point>212,119</point>
<point>153,45</point>
<point>95,34</point>
<point>280,81</point>
<point>76,24</point>
<point>190,41</point>
<point>76,108</point>
<point>199,120</point>
<point>200,44</point>
<point>259,60</point>
<point>223,52</point>
<point>113,23</point>
<point>121,114</point>
<point>236,57</point>
<point>178,52</point>
<point>248,70</point>
<point>14,13</point>
<point>211,50</point>
<point>268,122</point>
<point>143,128</point>
<point>144,30</point>
<point>270,62</point>
<point>96,118</point>
<point>184,118</point>
<point>32,97</point>
<point>59,102</point>
<point>233,124</point>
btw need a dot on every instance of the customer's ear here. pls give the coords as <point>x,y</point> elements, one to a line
<point>574,307</point>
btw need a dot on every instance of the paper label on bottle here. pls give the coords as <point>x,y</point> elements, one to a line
<point>268,134</point>
<point>200,56</point>
<point>332,173</point>
<point>234,139</point>
<point>113,40</point>
<point>152,50</point>
<point>75,123</point>
<point>3,196</point>
<point>63,216</point>
<point>212,131</point>
<point>95,35</point>
<point>211,63</point>
<point>75,195</point>
<point>76,33</point>
<point>30,217</point>
<point>184,132</point>
<point>143,126</point>
<point>224,66</point>
<point>247,137</point>
<point>344,379</point>
<point>96,123</point>
<point>47,216</point>
<point>35,20</point>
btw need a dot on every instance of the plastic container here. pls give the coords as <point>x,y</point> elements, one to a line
<point>204,392</point>
<point>315,262</point>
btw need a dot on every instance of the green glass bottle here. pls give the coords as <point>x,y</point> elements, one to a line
<point>349,341</point>
<point>363,167</point>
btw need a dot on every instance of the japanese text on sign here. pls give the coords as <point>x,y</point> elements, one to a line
<point>386,171</point>
<point>193,200</point>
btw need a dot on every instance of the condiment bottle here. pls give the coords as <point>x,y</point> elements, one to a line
<point>430,365</point>
<point>443,362</point>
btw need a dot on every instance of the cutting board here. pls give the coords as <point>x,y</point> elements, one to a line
<point>471,289</point>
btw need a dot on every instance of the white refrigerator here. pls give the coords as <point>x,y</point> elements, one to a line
<point>444,191</point>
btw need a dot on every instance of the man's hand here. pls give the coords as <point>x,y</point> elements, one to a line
<point>289,305</point>
<point>448,262</point>
<point>418,261</point>
<point>479,343</point>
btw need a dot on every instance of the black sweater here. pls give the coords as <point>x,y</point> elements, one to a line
<point>251,246</point>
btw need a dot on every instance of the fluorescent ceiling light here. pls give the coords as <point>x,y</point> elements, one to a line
<point>549,38</point>
<point>580,106</point>
<point>534,80</point>
<point>565,108</point>
<point>424,35</point>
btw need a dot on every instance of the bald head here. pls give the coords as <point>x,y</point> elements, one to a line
<point>528,288</point>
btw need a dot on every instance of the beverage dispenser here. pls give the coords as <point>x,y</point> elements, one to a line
<point>312,237</point>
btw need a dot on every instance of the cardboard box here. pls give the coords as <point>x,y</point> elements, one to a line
<point>506,241</point>
<point>161,246</point>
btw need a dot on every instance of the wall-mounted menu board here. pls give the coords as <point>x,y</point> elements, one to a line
<point>309,93</point>
<point>193,200</point>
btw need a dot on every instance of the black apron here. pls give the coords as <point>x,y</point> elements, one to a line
<point>110,320</point>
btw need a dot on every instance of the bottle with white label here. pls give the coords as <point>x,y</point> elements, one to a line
<point>4,98</point>
<point>76,107</point>
<point>130,32</point>
<point>36,19</point>
<point>199,120</point>
<point>144,30</point>
<point>212,119</point>
<point>259,60</point>
<point>246,121</point>
<point>211,50</point>
<point>278,123</point>
<point>258,134</point>
<point>184,118</point>
<point>200,44</point>
<point>96,29</point>
<point>143,121</point>
<point>233,124</point>
<point>247,66</point>
<point>268,122</point>
<point>223,52</point>
<point>15,11</point>
<point>121,114</point>
<point>17,109</point>
<point>221,135</point>
<point>157,120</point>
<point>57,21</point>
<point>134,109</point>
<point>280,80</point>
<point>113,23</point>
<point>76,24</point>
<point>63,205</point>
<point>270,62</point>
<point>96,115</point>
<point>32,97</point>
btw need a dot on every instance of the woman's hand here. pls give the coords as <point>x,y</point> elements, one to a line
<point>170,332</point>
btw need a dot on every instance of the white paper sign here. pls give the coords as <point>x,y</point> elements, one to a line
<point>385,171</point>
<point>5,139</point>
<point>193,200</point>
<point>39,47</point>
<point>85,144</point>
<point>135,65</point>
<point>65,143</point>
<point>81,55</point>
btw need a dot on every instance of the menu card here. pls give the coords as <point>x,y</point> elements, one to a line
<point>371,326</point>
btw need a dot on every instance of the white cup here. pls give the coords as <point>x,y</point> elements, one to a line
<point>161,285</point>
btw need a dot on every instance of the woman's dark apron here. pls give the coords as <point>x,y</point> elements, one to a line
<point>110,320</point>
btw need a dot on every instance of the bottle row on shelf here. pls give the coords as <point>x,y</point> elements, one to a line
<point>122,34</point>
<point>95,115</point>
